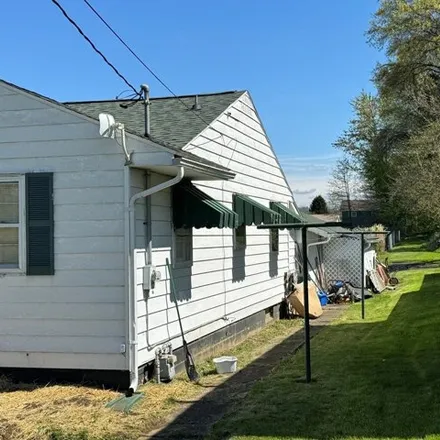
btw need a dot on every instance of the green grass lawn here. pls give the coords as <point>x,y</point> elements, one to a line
<point>375,379</point>
<point>411,251</point>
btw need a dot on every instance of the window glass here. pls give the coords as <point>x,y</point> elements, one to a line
<point>274,240</point>
<point>9,210</point>
<point>9,254</point>
<point>183,245</point>
<point>240,237</point>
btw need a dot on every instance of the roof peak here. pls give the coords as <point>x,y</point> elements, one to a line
<point>157,98</point>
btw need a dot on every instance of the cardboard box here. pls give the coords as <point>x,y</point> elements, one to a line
<point>296,300</point>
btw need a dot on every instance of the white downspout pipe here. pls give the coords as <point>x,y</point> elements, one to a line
<point>309,245</point>
<point>317,243</point>
<point>132,309</point>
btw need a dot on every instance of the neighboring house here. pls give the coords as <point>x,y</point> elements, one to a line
<point>328,217</point>
<point>76,252</point>
<point>361,213</point>
<point>336,255</point>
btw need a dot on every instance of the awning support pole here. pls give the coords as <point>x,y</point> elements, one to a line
<point>306,305</point>
<point>304,228</point>
<point>363,275</point>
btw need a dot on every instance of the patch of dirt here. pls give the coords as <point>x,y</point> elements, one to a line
<point>7,429</point>
<point>75,400</point>
<point>32,405</point>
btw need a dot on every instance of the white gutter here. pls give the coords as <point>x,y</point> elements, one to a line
<point>132,310</point>
<point>317,243</point>
<point>211,170</point>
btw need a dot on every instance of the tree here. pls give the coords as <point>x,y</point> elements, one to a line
<point>367,147</point>
<point>392,140</point>
<point>409,33</point>
<point>417,181</point>
<point>318,206</point>
<point>345,184</point>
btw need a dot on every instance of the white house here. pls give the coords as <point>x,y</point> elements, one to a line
<point>75,239</point>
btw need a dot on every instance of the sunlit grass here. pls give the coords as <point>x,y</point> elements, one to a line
<point>374,379</point>
<point>412,251</point>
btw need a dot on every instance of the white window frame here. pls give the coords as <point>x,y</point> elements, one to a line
<point>237,245</point>
<point>187,263</point>
<point>14,178</point>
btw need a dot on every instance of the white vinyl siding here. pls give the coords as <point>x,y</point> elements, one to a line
<point>224,283</point>
<point>75,318</point>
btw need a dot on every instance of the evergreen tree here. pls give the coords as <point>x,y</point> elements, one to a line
<point>318,206</point>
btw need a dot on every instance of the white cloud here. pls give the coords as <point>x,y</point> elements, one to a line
<point>308,176</point>
<point>304,192</point>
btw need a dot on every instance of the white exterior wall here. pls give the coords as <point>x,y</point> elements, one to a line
<point>222,282</point>
<point>75,318</point>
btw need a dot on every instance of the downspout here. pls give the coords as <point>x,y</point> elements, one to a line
<point>309,245</point>
<point>132,312</point>
<point>317,243</point>
<point>148,221</point>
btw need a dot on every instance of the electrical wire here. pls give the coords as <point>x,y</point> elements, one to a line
<point>141,61</point>
<point>55,2</point>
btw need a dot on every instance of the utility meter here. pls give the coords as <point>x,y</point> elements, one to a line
<point>151,275</point>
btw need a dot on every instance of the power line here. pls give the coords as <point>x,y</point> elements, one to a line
<point>127,46</point>
<point>55,2</point>
<point>141,61</point>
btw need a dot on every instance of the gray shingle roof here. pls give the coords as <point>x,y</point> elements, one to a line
<point>324,232</point>
<point>170,121</point>
<point>94,112</point>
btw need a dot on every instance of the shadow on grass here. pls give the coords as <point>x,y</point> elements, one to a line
<point>373,380</point>
<point>377,380</point>
<point>197,420</point>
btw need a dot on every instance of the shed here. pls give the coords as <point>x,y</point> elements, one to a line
<point>339,253</point>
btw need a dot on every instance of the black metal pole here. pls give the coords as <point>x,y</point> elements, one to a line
<point>306,305</point>
<point>363,275</point>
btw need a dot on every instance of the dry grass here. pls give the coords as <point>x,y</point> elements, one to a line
<point>58,412</point>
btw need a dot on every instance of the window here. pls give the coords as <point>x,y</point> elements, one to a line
<point>353,213</point>
<point>182,246</point>
<point>11,224</point>
<point>240,237</point>
<point>274,240</point>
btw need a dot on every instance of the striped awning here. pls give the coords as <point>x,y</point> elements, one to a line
<point>287,215</point>
<point>192,208</point>
<point>250,212</point>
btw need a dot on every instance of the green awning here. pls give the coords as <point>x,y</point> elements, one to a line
<point>287,215</point>
<point>251,212</point>
<point>192,208</point>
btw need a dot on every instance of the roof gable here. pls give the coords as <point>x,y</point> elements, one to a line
<point>173,121</point>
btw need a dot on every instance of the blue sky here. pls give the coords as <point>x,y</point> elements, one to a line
<point>302,61</point>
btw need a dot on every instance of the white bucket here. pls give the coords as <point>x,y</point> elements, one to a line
<point>225,364</point>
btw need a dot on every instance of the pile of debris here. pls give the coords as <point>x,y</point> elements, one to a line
<point>337,292</point>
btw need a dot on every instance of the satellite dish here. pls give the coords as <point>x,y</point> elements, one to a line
<point>107,125</point>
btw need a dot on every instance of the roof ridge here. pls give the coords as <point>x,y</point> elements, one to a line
<point>156,98</point>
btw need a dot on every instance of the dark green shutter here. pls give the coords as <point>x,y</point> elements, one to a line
<point>39,224</point>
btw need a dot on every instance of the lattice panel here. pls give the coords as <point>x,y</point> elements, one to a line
<point>342,260</point>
